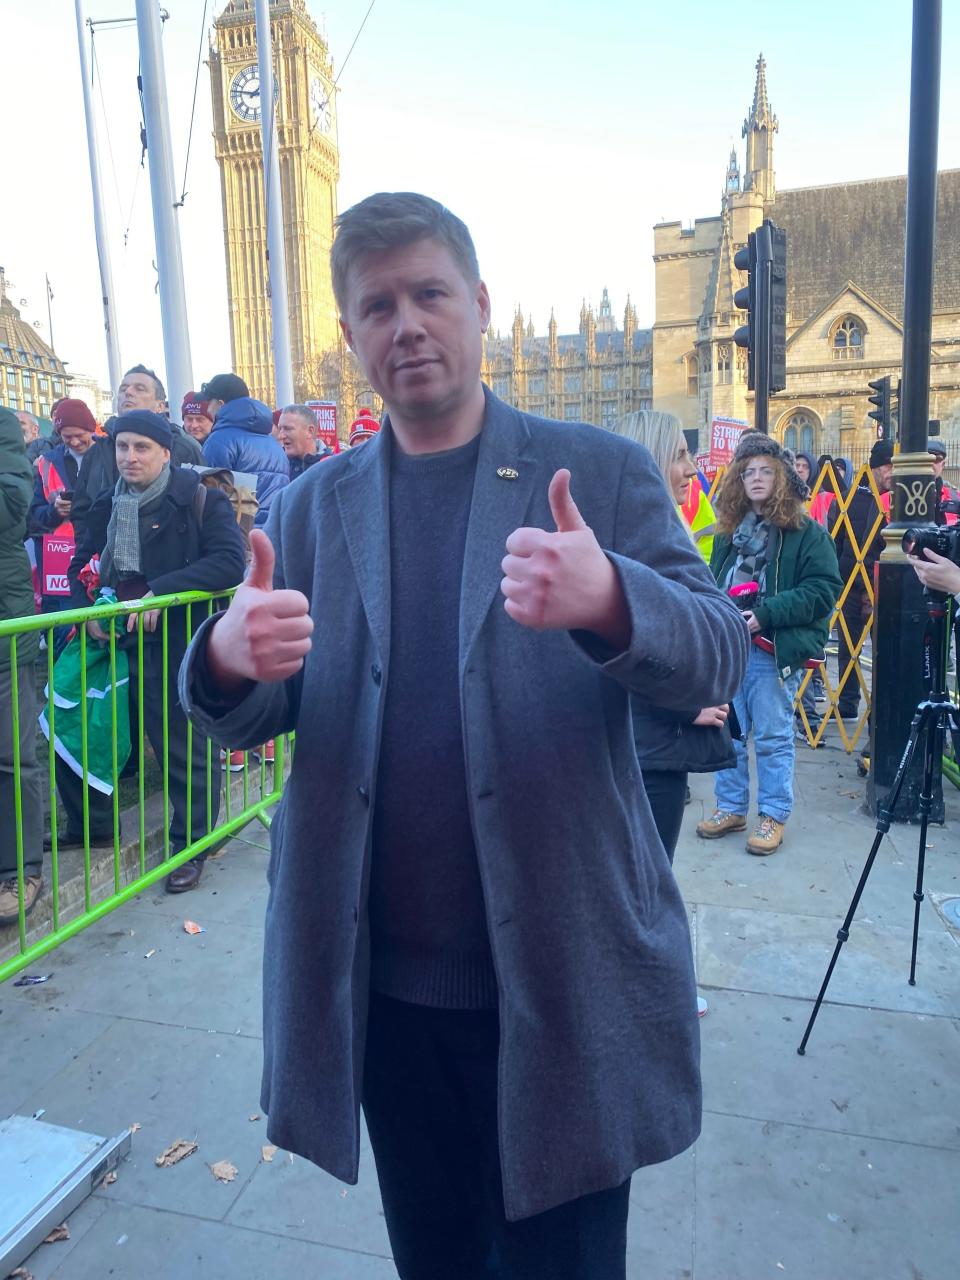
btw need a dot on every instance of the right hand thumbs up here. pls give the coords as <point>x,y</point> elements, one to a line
<point>265,634</point>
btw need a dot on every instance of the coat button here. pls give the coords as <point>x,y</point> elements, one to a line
<point>364,795</point>
<point>376,673</point>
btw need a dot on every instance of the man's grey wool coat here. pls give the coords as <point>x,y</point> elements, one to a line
<point>599,1051</point>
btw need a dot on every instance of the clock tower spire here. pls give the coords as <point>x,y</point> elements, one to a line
<point>309,170</point>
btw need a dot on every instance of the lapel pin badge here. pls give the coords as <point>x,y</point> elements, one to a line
<point>508,473</point>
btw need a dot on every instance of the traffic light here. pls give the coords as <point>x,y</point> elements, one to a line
<point>881,414</point>
<point>745,259</point>
<point>778,310</point>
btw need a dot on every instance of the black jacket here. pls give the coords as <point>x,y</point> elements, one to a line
<point>99,473</point>
<point>862,513</point>
<point>178,553</point>
<point>668,741</point>
<point>42,517</point>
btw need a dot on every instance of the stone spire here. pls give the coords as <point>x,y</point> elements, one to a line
<point>732,183</point>
<point>758,129</point>
<point>552,338</point>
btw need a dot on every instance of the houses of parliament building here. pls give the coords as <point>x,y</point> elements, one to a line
<point>844,276</point>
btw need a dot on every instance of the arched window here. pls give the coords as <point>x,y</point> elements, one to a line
<point>801,432</point>
<point>691,366</point>
<point>847,339</point>
<point>723,362</point>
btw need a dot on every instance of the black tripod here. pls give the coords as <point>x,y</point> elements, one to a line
<point>933,716</point>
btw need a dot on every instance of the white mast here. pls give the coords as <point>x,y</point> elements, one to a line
<point>99,221</point>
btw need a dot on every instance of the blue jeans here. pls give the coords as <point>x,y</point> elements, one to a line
<point>765,710</point>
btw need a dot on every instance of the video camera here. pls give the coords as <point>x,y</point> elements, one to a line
<point>943,539</point>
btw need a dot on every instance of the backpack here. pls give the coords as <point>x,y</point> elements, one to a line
<point>241,490</point>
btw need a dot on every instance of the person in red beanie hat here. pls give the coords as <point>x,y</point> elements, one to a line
<point>75,414</point>
<point>197,421</point>
<point>364,428</point>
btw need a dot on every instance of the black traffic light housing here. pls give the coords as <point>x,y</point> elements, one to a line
<point>778,308</point>
<point>745,259</point>
<point>881,414</point>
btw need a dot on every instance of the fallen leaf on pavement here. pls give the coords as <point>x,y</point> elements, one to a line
<point>57,1234</point>
<point>176,1152</point>
<point>268,1152</point>
<point>223,1171</point>
<point>109,1179</point>
<point>191,927</point>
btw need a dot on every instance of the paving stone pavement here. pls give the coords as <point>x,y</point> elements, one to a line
<point>840,1165</point>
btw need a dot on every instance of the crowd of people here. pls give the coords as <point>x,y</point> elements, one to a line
<point>126,510</point>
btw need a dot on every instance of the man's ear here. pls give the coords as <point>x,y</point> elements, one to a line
<point>347,334</point>
<point>483,302</point>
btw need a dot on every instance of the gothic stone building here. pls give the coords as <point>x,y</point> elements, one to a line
<point>595,375</point>
<point>844,301</point>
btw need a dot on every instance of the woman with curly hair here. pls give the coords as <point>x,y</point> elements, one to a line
<point>764,537</point>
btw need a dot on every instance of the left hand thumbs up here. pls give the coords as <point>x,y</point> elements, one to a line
<point>563,580</point>
<point>566,514</point>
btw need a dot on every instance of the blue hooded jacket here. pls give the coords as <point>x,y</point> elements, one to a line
<point>241,440</point>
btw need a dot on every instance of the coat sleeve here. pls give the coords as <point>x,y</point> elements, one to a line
<point>221,561</point>
<point>42,516</point>
<point>817,589</point>
<point>688,644</point>
<point>264,710</point>
<point>218,451</point>
<point>91,539</point>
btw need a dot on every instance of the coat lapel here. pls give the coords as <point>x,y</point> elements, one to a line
<point>507,475</point>
<point>364,500</point>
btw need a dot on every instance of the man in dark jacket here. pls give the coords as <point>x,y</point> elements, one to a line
<point>867,520</point>
<point>297,433</point>
<point>242,438</point>
<point>36,443</point>
<point>16,601</point>
<point>473,927</point>
<point>156,534</point>
<point>140,388</point>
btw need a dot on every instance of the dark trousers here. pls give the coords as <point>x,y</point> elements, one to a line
<point>31,795</point>
<point>430,1102</point>
<point>854,613</point>
<point>147,716</point>
<point>666,790</point>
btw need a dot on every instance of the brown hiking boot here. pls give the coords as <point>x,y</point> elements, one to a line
<point>767,836</point>
<point>9,903</point>
<point>720,824</point>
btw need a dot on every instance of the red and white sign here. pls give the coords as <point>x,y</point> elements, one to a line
<point>325,411</point>
<point>57,554</point>
<point>703,463</point>
<point>725,435</point>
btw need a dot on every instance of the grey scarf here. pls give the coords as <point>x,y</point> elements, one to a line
<point>751,539</point>
<point>121,556</point>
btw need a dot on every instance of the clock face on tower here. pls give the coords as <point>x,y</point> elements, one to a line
<point>245,92</point>
<point>321,112</point>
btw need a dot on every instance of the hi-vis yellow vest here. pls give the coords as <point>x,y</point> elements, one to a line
<point>699,515</point>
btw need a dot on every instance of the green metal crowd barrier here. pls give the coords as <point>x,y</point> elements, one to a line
<point>136,868</point>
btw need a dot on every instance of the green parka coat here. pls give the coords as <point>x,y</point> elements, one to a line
<point>16,582</point>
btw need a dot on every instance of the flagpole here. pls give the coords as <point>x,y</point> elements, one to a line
<point>99,221</point>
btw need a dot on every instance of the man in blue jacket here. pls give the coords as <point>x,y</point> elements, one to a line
<point>242,438</point>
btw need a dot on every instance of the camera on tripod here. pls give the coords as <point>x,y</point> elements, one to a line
<point>944,539</point>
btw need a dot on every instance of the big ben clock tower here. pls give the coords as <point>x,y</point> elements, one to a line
<point>309,169</point>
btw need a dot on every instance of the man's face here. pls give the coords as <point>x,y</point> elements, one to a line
<point>803,470</point>
<point>214,407</point>
<point>296,435</point>
<point>884,477</point>
<point>77,439</point>
<point>197,425</point>
<point>29,427</point>
<point>140,459</point>
<point>138,391</point>
<point>416,326</point>
<point>939,462</point>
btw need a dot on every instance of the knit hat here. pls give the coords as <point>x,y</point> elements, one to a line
<point>754,444</point>
<point>364,426</point>
<point>225,387</point>
<point>142,422</point>
<point>73,413</point>
<point>937,447</point>
<point>276,417</point>
<point>881,454</point>
<point>193,403</point>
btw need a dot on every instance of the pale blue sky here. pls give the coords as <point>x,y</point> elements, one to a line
<point>559,131</point>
